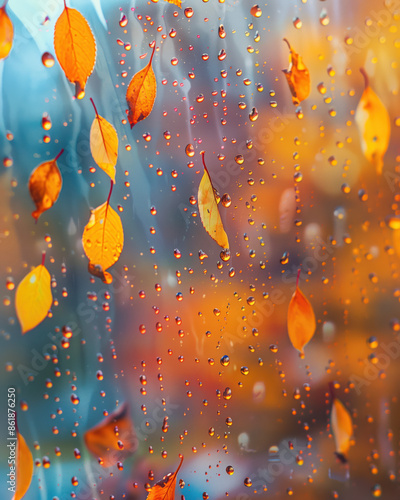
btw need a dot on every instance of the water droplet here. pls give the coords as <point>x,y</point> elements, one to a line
<point>253,115</point>
<point>189,150</point>
<point>256,11</point>
<point>123,21</point>
<point>226,200</point>
<point>48,60</point>
<point>225,360</point>
<point>297,23</point>
<point>230,470</point>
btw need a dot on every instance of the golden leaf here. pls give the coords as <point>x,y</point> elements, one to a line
<point>165,489</point>
<point>6,32</point>
<point>342,428</point>
<point>103,240</point>
<point>300,319</point>
<point>45,185</point>
<point>178,3</point>
<point>24,468</point>
<point>75,48</point>
<point>114,438</point>
<point>373,124</point>
<point>209,212</point>
<point>33,298</point>
<point>298,77</point>
<point>141,93</point>
<point>104,144</point>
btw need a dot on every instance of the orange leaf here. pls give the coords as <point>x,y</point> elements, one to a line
<point>6,32</point>
<point>45,185</point>
<point>342,428</point>
<point>209,212</point>
<point>373,124</point>
<point>300,319</point>
<point>165,489</point>
<point>104,144</point>
<point>178,3</point>
<point>114,438</point>
<point>75,48</point>
<point>24,468</point>
<point>298,77</point>
<point>103,239</point>
<point>33,297</point>
<point>141,93</point>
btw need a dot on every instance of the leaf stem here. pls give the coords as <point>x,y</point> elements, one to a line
<point>95,109</point>
<point>288,44</point>
<point>109,194</point>
<point>43,257</point>
<point>65,4</point>
<point>298,277</point>
<point>59,154</point>
<point>152,54</point>
<point>366,78</point>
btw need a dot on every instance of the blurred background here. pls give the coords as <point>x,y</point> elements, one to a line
<point>184,331</point>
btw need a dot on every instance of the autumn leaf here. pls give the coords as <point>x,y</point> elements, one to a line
<point>114,438</point>
<point>103,239</point>
<point>45,185</point>
<point>298,77</point>
<point>178,3</point>
<point>301,322</point>
<point>33,297</point>
<point>209,212</point>
<point>104,144</point>
<point>165,489</point>
<point>342,427</point>
<point>75,48</point>
<point>24,468</point>
<point>6,32</point>
<point>141,93</point>
<point>373,122</point>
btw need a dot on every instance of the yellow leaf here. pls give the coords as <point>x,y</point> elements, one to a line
<point>104,144</point>
<point>6,32</point>
<point>33,298</point>
<point>24,468</point>
<point>141,93</point>
<point>45,185</point>
<point>300,320</point>
<point>342,429</point>
<point>373,124</point>
<point>178,3</point>
<point>75,48</point>
<point>165,489</point>
<point>114,438</point>
<point>298,77</point>
<point>103,240</point>
<point>209,212</point>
